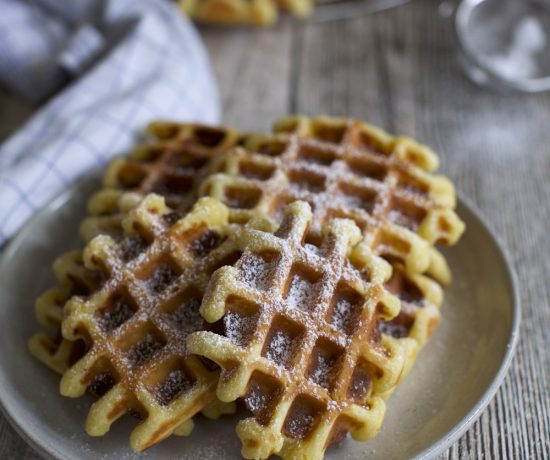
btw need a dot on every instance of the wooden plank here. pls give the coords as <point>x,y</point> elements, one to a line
<point>253,71</point>
<point>12,446</point>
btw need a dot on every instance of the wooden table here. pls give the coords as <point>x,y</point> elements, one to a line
<point>399,69</point>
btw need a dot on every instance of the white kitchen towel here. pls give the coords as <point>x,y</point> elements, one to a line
<point>125,63</point>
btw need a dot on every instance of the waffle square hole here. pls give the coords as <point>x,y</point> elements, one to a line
<point>149,153</point>
<point>317,155</point>
<point>307,180</point>
<point>404,288</point>
<point>283,341</point>
<point>148,341</point>
<point>240,320</point>
<point>345,309</point>
<point>121,307</point>
<point>273,147</point>
<point>370,143</point>
<point>105,378</point>
<point>209,136</point>
<point>82,286</point>
<point>262,396</point>
<point>172,379</point>
<point>255,170</point>
<point>171,218</point>
<point>413,185</point>
<point>302,289</point>
<point>206,241</point>
<point>164,275</point>
<point>303,416</point>
<point>360,385</point>
<point>328,132</point>
<point>399,327</point>
<point>256,270</point>
<point>242,198</point>
<point>185,162</point>
<point>132,246</point>
<point>324,364</point>
<point>367,168</point>
<point>406,214</point>
<point>358,197</point>
<point>131,175</point>
<point>313,244</point>
<point>174,184</point>
<point>183,313</point>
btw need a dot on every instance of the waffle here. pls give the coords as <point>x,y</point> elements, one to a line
<point>294,331</point>
<point>421,299</point>
<point>345,169</point>
<point>60,354</point>
<point>74,279</point>
<point>232,12</point>
<point>136,322</point>
<point>172,166</point>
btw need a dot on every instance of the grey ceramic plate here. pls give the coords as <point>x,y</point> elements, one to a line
<point>453,380</point>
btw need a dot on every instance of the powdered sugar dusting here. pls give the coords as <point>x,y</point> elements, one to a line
<point>114,317</point>
<point>187,317</point>
<point>176,382</point>
<point>360,384</point>
<point>312,250</point>
<point>300,293</point>
<point>279,349</point>
<point>238,328</point>
<point>256,399</point>
<point>322,372</point>
<point>256,271</point>
<point>144,350</point>
<point>341,314</point>
<point>161,279</point>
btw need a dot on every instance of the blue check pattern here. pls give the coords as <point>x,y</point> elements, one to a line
<point>156,68</point>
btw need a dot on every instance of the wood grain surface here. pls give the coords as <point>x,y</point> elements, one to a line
<point>399,69</point>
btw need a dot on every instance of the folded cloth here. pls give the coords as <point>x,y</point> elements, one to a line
<point>127,62</point>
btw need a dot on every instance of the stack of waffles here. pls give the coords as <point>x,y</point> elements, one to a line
<point>293,272</point>
<point>232,12</point>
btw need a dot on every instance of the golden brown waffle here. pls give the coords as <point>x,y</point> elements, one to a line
<point>295,335</point>
<point>190,148</point>
<point>136,322</point>
<point>171,167</point>
<point>338,134</point>
<point>232,12</point>
<point>344,168</point>
<point>60,354</point>
<point>421,299</point>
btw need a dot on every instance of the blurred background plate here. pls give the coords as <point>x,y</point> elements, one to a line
<point>454,379</point>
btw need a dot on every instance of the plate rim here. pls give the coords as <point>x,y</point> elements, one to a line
<point>50,452</point>
<point>470,418</point>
